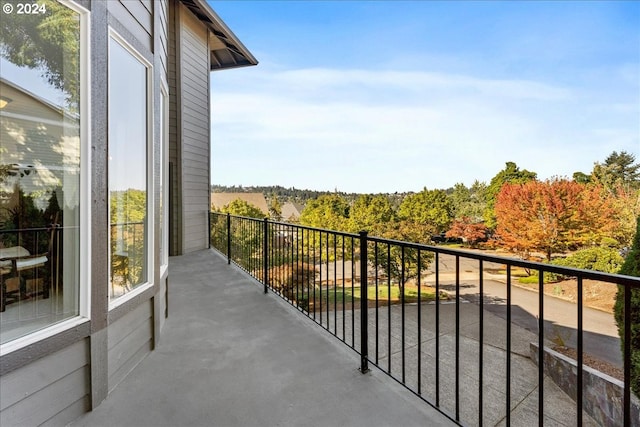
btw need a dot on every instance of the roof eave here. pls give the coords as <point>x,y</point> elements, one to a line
<point>233,53</point>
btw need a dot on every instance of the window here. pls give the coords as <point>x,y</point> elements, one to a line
<point>42,163</point>
<point>128,168</point>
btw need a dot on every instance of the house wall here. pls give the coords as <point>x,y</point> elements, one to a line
<point>59,373</point>
<point>189,151</point>
<point>54,389</point>
<point>55,379</point>
<point>195,123</point>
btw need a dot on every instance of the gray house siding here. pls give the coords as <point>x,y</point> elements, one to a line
<point>130,340</point>
<point>194,126</point>
<point>53,390</point>
<point>136,18</point>
<point>175,160</point>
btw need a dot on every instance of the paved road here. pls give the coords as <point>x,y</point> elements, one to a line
<point>600,331</point>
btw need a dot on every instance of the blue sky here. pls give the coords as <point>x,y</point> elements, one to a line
<point>384,96</point>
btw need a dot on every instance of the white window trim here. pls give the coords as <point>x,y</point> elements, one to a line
<point>84,284</point>
<point>150,220</point>
<point>164,159</point>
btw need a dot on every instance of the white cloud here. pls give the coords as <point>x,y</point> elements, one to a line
<point>374,131</point>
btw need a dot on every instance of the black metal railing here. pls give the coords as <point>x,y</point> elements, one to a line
<point>127,255</point>
<point>404,308</point>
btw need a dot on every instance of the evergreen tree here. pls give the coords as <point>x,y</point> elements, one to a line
<point>631,267</point>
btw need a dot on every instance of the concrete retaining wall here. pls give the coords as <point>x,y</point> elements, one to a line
<point>602,394</point>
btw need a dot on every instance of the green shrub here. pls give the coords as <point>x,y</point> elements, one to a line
<point>598,258</point>
<point>534,278</point>
<point>631,267</point>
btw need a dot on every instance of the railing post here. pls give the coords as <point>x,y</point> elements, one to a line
<point>228,238</point>
<point>265,255</point>
<point>364,307</point>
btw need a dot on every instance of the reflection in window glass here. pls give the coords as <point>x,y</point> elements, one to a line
<point>127,169</point>
<point>39,169</point>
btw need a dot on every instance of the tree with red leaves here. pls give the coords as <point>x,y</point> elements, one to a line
<point>469,231</point>
<point>552,216</point>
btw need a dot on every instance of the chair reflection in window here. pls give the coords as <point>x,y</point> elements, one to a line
<point>24,275</point>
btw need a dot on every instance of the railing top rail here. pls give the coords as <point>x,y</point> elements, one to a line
<point>247,218</point>
<point>533,265</point>
<point>113,224</point>
<point>23,230</point>
<point>322,230</point>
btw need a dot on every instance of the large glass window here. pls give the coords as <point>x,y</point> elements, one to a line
<point>128,192</point>
<point>40,156</point>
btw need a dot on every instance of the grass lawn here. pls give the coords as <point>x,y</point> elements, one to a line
<point>410,294</point>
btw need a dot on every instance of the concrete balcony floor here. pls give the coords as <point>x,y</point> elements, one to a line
<point>231,356</point>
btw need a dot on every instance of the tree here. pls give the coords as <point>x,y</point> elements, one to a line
<point>428,207</point>
<point>393,260</point>
<point>275,208</point>
<point>50,43</point>
<point>581,178</point>
<point>468,202</point>
<point>468,230</point>
<point>627,209</point>
<point>597,258</point>
<point>329,211</point>
<point>371,213</point>
<point>618,170</point>
<point>631,267</point>
<point>242,208</point>
<point>552,216</point>
<point>510,174</point>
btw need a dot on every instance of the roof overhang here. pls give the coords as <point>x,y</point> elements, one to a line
<point>226,50</point>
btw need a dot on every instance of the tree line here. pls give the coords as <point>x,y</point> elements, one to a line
<point>516,211</point>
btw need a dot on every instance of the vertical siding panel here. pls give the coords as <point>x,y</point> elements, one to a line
<point>195,122</point>
<point>175,181</point>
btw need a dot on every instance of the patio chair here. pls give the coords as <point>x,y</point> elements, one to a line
<point>14,263</point>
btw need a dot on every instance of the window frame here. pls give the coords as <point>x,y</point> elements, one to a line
<point>164,177</point>
<point>84,274</point>
<point>115,302</point>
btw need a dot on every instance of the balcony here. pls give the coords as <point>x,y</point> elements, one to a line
<point>231,356</point>
<point>444,337</point>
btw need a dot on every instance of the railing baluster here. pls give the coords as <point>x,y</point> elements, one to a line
<point>389,307</point>
<point>364,323</point>
<point>353,302</point>
<point>265,252</point>
<point>457,388</point>
<point>437,261</point>
<point>541,348</point>
<point>419,324</point>
<point>334,267</point>
<point>580,357</point>
<point>402,320</point>
<point>375,252</point>
<point>228,238</point>
<point>627,356</point>
<point>335,285</point>
<point>508,375</point>
<point>344,318</point>
<point>480,343</point>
